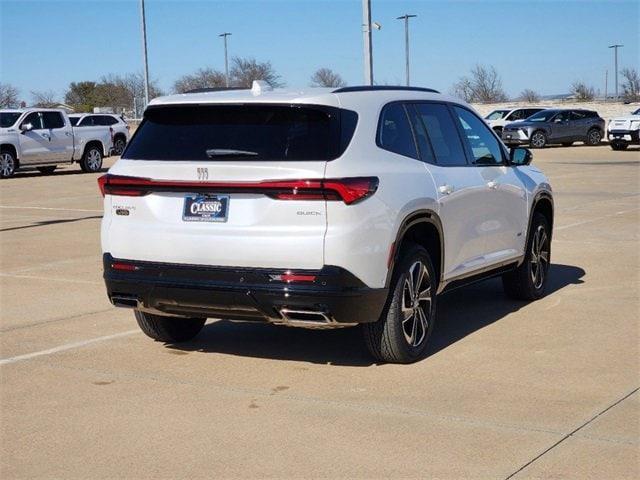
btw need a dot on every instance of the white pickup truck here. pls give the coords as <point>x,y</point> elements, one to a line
<point>44,138</point>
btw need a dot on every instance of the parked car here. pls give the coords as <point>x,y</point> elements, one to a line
<point>624,131</point>
<point>117,123</point>
<point>44,138</point>
<point>501,117</point>
<point>551,126</point>
<point>322,209</point>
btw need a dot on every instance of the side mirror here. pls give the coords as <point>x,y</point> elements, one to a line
<point>26,127</point>
<point>519,156</point>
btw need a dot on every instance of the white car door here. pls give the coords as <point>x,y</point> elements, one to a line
<point>460,188</point>
<point>60,135</point>
<point>503,195</point>
<point>34,143</point>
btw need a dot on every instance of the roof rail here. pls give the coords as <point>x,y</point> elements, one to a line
<point>214,89</point>
<point>373,88</point>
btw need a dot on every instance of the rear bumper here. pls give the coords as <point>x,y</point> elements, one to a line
<point>335,298</point>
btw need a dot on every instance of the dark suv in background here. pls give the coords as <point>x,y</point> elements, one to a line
<point>562,126</point>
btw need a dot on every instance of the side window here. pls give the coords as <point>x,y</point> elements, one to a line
<point>53,120</point>
<point>109,120</point>
<point>86,122</point>
<point>516,115</point>
<point>35,119</point>
<point>484,146</point>
<point>562,116</point>
<point>578,115</point>
<point>394,132</point>
<point>442,134</point>
<point>424,146</point>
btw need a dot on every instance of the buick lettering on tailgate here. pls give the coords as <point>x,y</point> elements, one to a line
<point>205,208</point>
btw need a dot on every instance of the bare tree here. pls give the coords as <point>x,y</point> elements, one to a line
<point>325,77</point>
<point>529,96</point>
<point>8,96</point>
<point>630,85</point>
<point>203,78</point>
<point>44,99</point>
<point>245,70</point>
<point>582,92</point>
<point>483,85</point>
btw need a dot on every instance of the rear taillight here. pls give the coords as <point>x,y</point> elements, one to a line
<point>349,190</point>
<point>111,132</point>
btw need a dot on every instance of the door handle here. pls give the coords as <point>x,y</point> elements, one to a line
<point>492,185</point>
<point>68,134</point>
<point>47,136</point>
<point>446,189</point>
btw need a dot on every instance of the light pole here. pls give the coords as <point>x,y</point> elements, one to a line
<point>406,18</point>
<point>226,59</point>
<point>143,25</point>
<point>366,32</point>
<point>615,49</point>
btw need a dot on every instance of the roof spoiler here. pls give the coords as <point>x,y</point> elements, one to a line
<point>373,88</point>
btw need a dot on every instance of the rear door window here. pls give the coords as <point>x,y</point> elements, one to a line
<point>53,120</point>
<point>242,132</point>
<point>442,133</point>
<point>394,131</point>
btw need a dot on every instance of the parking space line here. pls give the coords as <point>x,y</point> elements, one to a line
<point>591,220</point>
<point>67,346</point>
<point>18,207</point>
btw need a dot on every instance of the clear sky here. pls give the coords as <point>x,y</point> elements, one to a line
<point>543,45</point>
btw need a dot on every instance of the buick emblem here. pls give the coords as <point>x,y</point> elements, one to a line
<point>203,174</point>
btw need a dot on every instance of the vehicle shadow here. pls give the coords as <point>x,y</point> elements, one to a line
<point>461,312</point>
<point>58,173</point>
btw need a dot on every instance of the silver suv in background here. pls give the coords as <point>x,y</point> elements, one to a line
<point>117,124</point>
<point>556,126</point>
<point>502,117</point>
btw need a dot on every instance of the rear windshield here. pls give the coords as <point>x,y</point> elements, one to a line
<point>242,132</point>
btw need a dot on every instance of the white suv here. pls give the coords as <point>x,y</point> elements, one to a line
<point>321,209</point>
<point>118,127</point>
<point>498,119</point>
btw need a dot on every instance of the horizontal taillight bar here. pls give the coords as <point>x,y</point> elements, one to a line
<point>349,190</point>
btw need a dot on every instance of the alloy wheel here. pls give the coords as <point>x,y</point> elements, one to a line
<point>7,164</point>
<point>538,140</point>
<point>93,160</point>
<point>595,137</point>
<point>119,146</point>
<point>539,257</point>
<point>416,304</point>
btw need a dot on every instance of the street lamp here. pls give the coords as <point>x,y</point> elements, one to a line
<point>226,60</point>
<point>143,26</point>
<point>615,49</point>
<point>366,32</point>
<point>406,18</point>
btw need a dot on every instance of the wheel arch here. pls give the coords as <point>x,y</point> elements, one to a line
<point>94,143</point>
<point>542,203</point>
<point>424,228</point>
<point>12,149</point>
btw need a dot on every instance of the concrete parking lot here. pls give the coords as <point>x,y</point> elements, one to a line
<point>509,390</point>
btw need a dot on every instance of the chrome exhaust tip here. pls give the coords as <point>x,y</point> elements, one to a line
<point>308,319</point>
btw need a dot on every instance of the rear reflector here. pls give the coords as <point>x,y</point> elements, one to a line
<point>289,277</point>
<point>349,190</point>
<point>124,267</point>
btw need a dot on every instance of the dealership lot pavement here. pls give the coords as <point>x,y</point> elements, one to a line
<point>510,390</point>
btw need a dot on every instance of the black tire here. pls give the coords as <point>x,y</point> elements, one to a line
<point>47,170</point>
<point>618,146</point>
<point>118,145</point>
<point>594,137</point>
<point>538,139</point>
<point>567,144</point>
<point>387,339</point>
<point>169,329</point>
<point>91,159</point>
<point>8,163</point>
<point>529,280</point>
